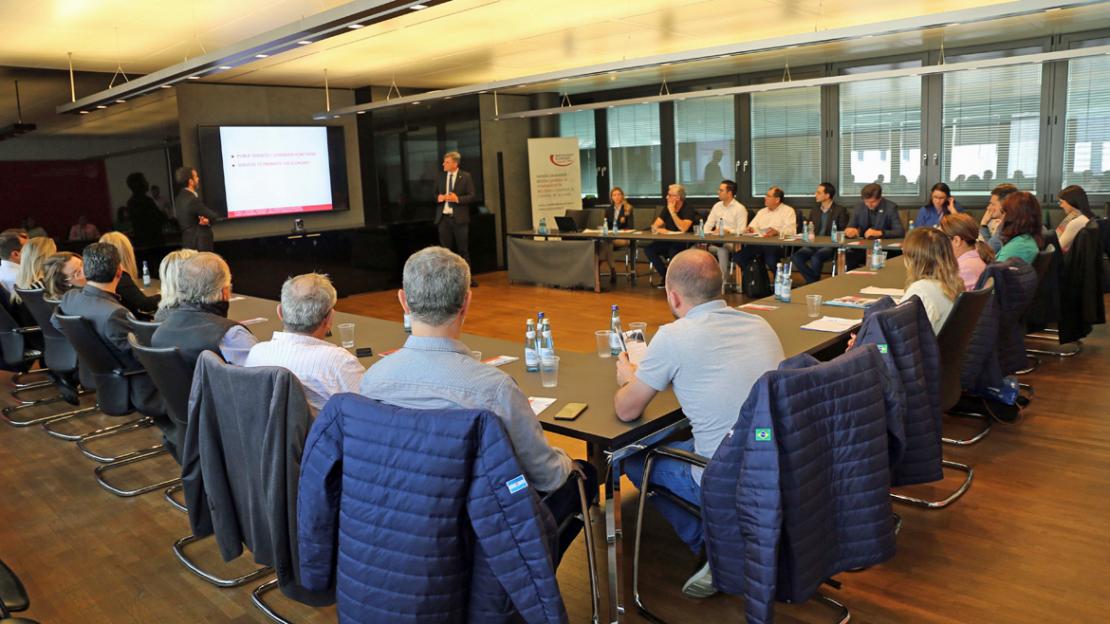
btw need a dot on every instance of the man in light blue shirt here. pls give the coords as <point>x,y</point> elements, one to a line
<point>712,356</point>
<point>434,370</point>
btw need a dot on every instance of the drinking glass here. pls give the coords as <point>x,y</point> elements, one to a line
<point>603,337</point>
<point>549,372</point>
<point>346,335</point>
<point>813,305</point>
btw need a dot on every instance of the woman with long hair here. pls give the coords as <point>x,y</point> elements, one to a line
<point>618,216</point>
<point>1077,214</point>
<point>63,271</point>
<point>932,273</point>
<point>31,258</point>
<point>1020,232</point>
<point>132,298</point>
<point>941,203</point>
<point>167,273</point>
<point>972,254</point>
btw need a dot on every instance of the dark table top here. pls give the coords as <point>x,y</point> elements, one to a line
<point>891,244</point>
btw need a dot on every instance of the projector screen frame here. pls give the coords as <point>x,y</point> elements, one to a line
<point>213,188</point>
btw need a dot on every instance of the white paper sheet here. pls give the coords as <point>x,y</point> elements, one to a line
<point>834,324</point>
<point>875,290</point>
<point>500,360</point>
<point>539,404</point>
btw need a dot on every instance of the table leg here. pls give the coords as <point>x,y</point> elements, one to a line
<point>597,267</point>
<point>614,538</point>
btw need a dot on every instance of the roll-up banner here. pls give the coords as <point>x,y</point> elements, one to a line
<point>555,175</point>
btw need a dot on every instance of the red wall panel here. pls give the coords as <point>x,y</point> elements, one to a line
<point>54,193</point>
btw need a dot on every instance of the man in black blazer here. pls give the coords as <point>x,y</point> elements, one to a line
<point>193,216</point>
<point>809,260</point>
<point>454,194</point>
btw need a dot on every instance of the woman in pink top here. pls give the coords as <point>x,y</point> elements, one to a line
<point>972,255</point>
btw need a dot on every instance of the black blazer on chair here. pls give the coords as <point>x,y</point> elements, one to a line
<point>464,188</point>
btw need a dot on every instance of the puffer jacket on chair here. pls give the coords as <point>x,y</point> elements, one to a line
<point>422,516</point>
<point>799,489</point>
<point>906,340</point>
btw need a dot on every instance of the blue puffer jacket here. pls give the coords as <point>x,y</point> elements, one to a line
<point>910,348</point>
<point>1015,286</point>
<point>422,516</point>
<point>799,489</point>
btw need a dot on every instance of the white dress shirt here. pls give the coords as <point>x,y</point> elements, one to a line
<point>448,188</point>
<point>734,214</point>
<point>9,272</point>
<point>783,219</point>
<point>323,368</point>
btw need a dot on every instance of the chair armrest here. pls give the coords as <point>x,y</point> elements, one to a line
<point>130,373</point>
<point>27,330</point>
<point>681,455</point>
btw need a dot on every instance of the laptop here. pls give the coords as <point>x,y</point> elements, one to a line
<point>567,224</point>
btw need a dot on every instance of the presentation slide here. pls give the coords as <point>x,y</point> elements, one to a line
<point>275,170</point>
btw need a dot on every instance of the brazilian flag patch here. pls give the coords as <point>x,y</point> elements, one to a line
<point>763,435</point>
<point>883,348</point>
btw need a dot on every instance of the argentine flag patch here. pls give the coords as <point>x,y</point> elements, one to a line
<point>517,484</point>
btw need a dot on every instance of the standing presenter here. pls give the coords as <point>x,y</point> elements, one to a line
<point>454,194</point>
<point>193,216</point>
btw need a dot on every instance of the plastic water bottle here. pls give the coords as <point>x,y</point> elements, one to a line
<point>787,268</point>
<point>615,328</point>
<point>778,281</point>
<point>547,343</point>
<point>604,227</point>
<point>531,354</point>
<point>543,226</point>
<point>911,226</point>
<point>146,274</point>
<point>876,249</point>
<point>701,228</point>
<point>832,232</point>
<point>408,323</point>
<point>721,227</point>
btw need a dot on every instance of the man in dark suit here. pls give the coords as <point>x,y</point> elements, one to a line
<point>193,216</point>
<point>98,303</point>
<point>809,260</point>
<point>454,194</point>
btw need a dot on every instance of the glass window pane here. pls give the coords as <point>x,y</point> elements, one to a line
<point>991,128</point>
<point>786,141</point>
<point>1087,125</point>
<point>635,152</point>
<point>706,151</point>
<point>581,125</point>
<point>880,135</point>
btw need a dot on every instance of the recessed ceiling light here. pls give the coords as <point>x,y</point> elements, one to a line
<point>354,26</point>
<point>83,112</point>
<point>225,66</point>
<point>261,55</point>
<point>415,103</point>
<point>101,106</point>
<point>120,101</point>
<point>335,116</point>
<point>418,7</point>
<point>194,78</point>
<point>361,113</point>
<point>304,42</point>
<point>164,87</point>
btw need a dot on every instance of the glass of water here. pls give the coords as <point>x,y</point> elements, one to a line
<point>346,335</point>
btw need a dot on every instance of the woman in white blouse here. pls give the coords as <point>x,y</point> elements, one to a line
<point>1077,214</point>
<point>932,273</point>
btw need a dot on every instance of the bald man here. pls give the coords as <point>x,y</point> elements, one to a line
<point>712,356</point>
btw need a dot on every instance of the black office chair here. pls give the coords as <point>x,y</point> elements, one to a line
<point>1041,265</point>
<point>13,597</point>
<point>21,317</point>
<point>953,339</point>
<point>60,359</point>
<point>16,355</point>
<point>143,330</point>
<point>114,397</point>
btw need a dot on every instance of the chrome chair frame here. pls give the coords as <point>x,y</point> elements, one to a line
<point>132,458</point>
<point>256,598</point>
<point>646,490</point>
<point>951,498</point>
<point>177,487</point>
<point>179,552</point>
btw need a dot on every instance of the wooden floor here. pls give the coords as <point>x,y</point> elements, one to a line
<point>1029,543</point>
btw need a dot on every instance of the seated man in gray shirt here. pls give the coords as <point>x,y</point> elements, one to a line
<point>434,370</point>
<point>712,356</point>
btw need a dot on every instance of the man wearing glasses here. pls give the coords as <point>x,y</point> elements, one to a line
<point>677,218</point>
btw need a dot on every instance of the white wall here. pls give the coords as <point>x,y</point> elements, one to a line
<point>213,105</point>
<point>151,163</point>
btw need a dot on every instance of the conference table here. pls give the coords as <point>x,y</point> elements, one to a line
<point>571,259</point>
<point>588,378</point>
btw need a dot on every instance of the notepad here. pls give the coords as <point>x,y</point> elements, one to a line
<point>500,360</point>
<point>539,404</point>
<point>834,324</point>
<point>875,290</point>
<point>862,272</point>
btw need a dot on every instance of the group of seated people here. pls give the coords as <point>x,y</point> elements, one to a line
<point>876,217</point>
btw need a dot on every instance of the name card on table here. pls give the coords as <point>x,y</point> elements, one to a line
<point>832,324</point>
<point>888,292</point>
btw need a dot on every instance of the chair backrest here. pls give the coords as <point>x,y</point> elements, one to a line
<point>171,375</point>
<point>642,218</point>
<point>12,344</point>
<point>579,217</point>
<point>96,359</point>
<point>1043,262</point>
<point>58,354</point>
<point>143,330</point>
<point>954,338</point>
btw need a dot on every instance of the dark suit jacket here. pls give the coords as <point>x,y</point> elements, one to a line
<point>839,215</point>
<point>189,208</point>
<point>109,319</point>
<point>464,188</point>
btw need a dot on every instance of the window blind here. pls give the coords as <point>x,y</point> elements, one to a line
<point>705,133</point>
<point>880,135</point>
<point>581,124</point>
<point>635,153</point>
<point>786,141</point>
<point>1087,130</point>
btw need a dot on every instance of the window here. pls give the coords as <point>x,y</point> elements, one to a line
<point>635,162</point>
<point>880,135</point>
<point>991,128</point>
<point>705,132</point>
<point>786,141</point>
<point>581,125</point>
<point>1087,130</point>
